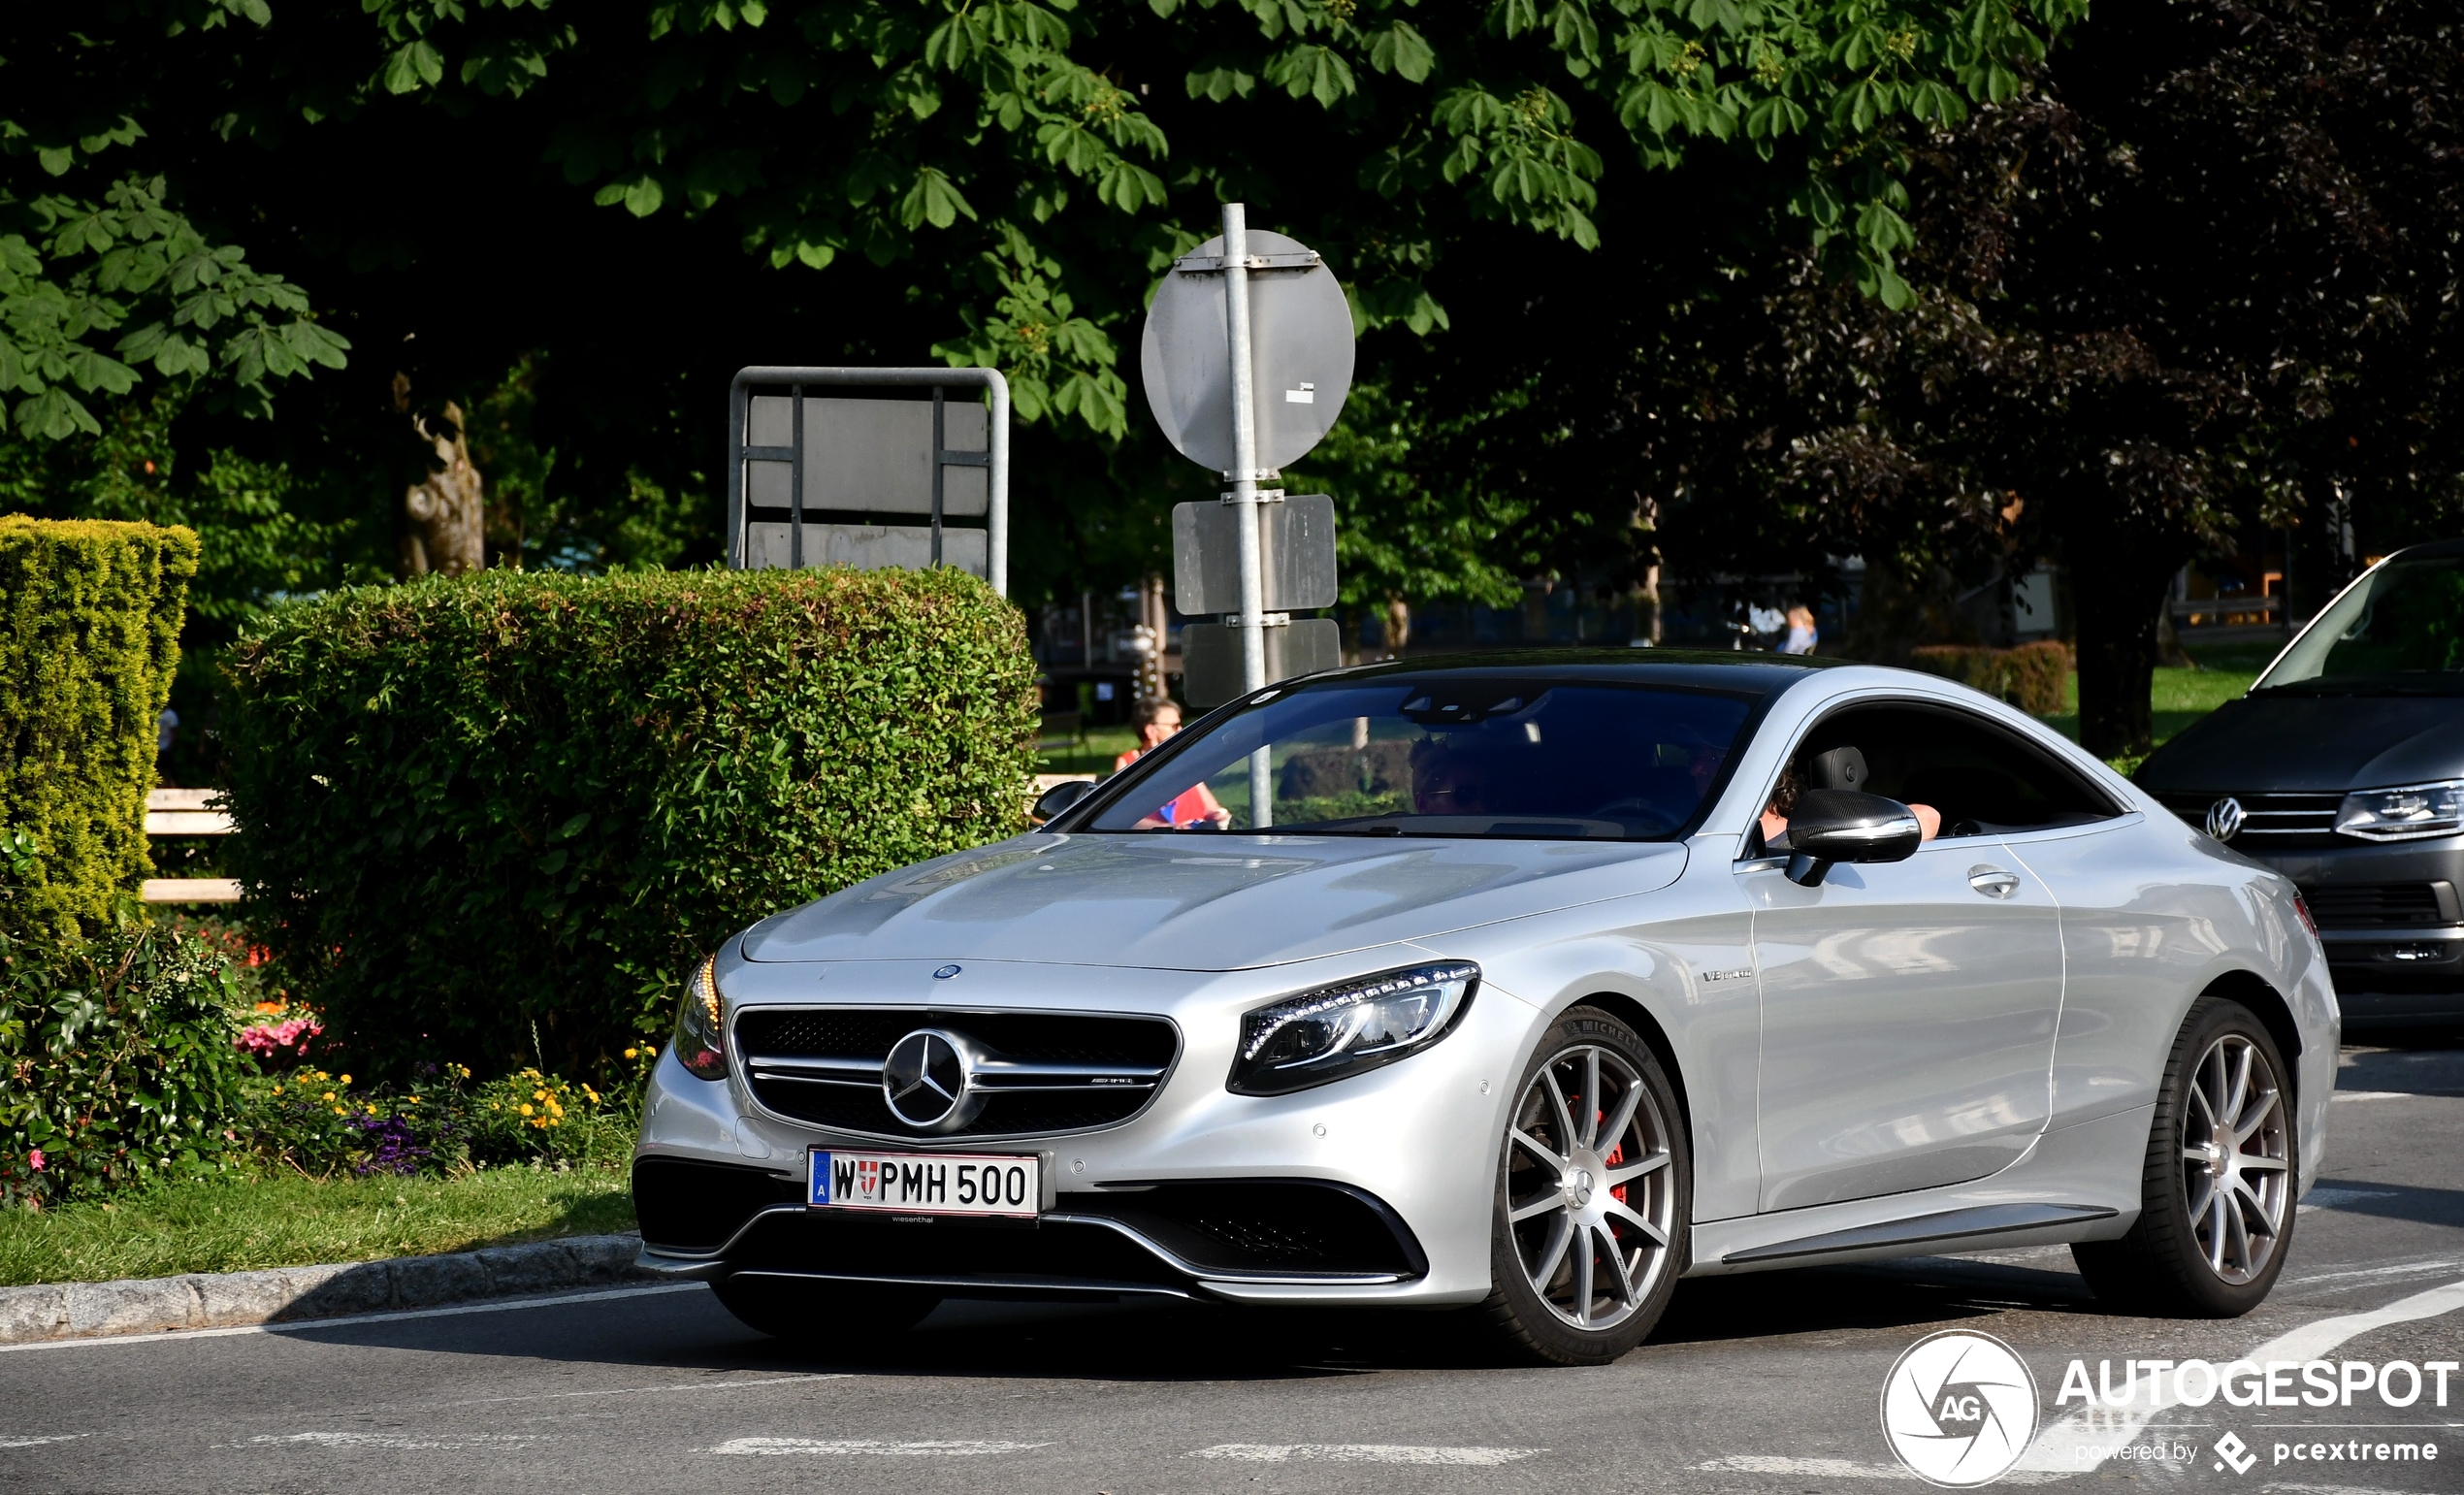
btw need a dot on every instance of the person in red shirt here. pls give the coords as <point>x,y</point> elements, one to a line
<point>1156,721</point>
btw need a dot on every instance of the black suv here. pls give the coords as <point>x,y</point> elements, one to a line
<point>2344,769</point>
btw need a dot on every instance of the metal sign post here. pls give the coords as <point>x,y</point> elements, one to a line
<point>1281,323</point>
<point>1244,495</point>
<point>874,456</point>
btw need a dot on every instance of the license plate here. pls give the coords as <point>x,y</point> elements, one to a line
<point>925,1182</point>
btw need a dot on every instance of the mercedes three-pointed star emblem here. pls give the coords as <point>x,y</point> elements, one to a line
<point>925,1081</point>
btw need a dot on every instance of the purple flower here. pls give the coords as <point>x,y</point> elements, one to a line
<point>391,1147</point>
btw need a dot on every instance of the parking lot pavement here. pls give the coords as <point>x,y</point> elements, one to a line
<point>1766,1383</point>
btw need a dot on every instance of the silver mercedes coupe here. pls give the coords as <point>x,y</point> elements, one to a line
<point>1523,985</point>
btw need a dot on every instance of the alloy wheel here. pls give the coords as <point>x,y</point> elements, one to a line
<point>1590,1193</point>
<point>2236,1159</point>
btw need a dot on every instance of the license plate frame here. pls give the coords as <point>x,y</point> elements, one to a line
<point>937,1184</point>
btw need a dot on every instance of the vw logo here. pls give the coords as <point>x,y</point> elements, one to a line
<point>926,1082</point>
<point>2224,818</point>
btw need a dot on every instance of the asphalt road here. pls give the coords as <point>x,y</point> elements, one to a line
<point>1765,1384</point>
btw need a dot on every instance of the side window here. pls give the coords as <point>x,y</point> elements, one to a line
<point>1984,779</point>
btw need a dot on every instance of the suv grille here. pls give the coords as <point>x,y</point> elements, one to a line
<point>2376,906</point>
<point>2268,820</point>
<point>1041,1072</point>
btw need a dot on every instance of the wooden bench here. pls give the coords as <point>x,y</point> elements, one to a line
<point>188,812</point>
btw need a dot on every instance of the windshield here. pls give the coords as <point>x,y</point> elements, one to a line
<point>1444,756</point>
<point>2399,629</point>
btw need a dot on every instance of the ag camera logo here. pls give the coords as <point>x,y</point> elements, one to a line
<point>1959,1409</point>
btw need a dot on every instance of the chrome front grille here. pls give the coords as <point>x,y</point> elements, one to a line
<point>2272,821</point>
<point>1034,1073</point>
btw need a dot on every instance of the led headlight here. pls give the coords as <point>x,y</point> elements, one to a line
<point>702,1040</point>
<point>1337,1031</point>
<point>2403,814</point>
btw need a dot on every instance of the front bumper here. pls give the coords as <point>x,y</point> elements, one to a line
<point>1374,1190</point>
<point>1230,1239</point>
<point>2387,973</point>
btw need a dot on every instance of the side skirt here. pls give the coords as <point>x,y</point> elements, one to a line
<point>2078,1182</point>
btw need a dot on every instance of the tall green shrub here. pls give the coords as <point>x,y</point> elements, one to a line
<point>116,1060</point>
<point>477,809</point>
<point>89,635</point>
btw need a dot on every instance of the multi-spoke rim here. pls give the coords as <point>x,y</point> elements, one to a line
<point>2236,1159</point>
<point>1590,1192</point>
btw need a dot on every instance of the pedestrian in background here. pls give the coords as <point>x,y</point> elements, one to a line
<point>1158,721</point>
<point>1801,631</point>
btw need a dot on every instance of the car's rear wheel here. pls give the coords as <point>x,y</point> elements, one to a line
<point>2217,1202</point>
<point>810,1312</point>
<point>1595,1187</point>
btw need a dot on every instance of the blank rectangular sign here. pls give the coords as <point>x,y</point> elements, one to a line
<point>1296,555</point>
<point>866,546</point>
<point>874,456</point>
<point>1211,656</point>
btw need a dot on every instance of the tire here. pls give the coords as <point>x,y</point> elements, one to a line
<point>808,1312</point>
<point>2216,1217</point>
<point>1584,1273</point>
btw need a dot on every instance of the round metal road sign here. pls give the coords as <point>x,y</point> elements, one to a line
<point>1301,353</point>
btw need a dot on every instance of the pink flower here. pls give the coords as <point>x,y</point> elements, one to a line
<point>36,1157</point>
<point>266,1038</point>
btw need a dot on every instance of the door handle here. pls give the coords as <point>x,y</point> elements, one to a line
<point>1993,881</point>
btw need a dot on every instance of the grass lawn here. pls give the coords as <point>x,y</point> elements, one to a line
<point>237,1223</point>
<point>1103,745</point>
<point>2180,696</point>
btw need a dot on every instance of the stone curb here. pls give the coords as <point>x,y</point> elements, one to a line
<point>216,1300</point>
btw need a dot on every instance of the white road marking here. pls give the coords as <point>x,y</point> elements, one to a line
<point>1812,1469</point>
<point>2334,1489</point>
<point>32,1442</point>
<point>1359,1453</point>
<point>2430,1268</point>
<point>2085,1439</point>
<point>399,1442</point>
<point>2338,1199</point>
<point>1838,1469</point>
<point>875,1448</point>
<point>682,1385</point>
<point>350,1320</point>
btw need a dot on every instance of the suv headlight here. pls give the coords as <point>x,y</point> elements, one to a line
<point>2403,814</point>
<point>1328,1034</point>
<point>701,1039</point>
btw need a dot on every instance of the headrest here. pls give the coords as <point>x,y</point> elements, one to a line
<point>1842,767</point>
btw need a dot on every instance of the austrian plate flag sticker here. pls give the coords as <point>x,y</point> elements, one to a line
<point>1959,1409</point>
<point>857,1180</point>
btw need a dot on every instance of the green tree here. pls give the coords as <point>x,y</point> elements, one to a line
<point>656,193</point>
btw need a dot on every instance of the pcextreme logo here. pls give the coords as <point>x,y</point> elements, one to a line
<point>1959,1409</point>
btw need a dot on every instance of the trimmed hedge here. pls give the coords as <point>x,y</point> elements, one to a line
<point>89,636</point>
<point>2033,677</point>
<point>493,820</point>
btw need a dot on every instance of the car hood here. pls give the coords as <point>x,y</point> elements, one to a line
<point>2263,744</point>
<point>1213,902</point>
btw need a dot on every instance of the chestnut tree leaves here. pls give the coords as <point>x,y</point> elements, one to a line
<point>130,276</point>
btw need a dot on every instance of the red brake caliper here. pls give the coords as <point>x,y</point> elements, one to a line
<point>1616,1156</point>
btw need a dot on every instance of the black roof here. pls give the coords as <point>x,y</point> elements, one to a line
<point>1765,674</point>
<point>2433,548</point>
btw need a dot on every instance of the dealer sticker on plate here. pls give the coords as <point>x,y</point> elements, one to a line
<point>925,1182</point>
